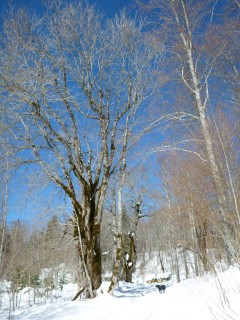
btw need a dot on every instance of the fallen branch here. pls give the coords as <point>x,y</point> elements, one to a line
<point>78,294</point>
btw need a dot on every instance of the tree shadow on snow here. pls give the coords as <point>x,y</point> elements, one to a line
<point>127,290</point>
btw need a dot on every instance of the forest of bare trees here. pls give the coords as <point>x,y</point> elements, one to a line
<point>128,128</point>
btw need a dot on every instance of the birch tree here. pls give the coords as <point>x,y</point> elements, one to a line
<point>185,26</point>
<point>5,178</point>
<point>4,210</point>
<point>76,82</point>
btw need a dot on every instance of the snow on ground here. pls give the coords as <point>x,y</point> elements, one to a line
<point>205,298</point>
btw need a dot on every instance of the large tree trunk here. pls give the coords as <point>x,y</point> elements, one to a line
<point>87,229</point>
<point>93,258</point>
<point>89,251</point>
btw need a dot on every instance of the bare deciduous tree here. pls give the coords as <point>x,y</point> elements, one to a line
<point>76,83</point>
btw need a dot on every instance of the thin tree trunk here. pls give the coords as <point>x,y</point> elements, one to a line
<point>176,265</point>
<point>201,234</point>
<point>117,263</point>
<point>130,258</point>
<point>185,263</point>
<point>201,107</point>
<point>161,261</point>
<point>4,201</point>
<point>118,231</point>
<point>195,257</point>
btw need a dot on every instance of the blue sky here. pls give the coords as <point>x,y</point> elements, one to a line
<point>28,197</point>
<point>21,206</point>
<point>110,7</point>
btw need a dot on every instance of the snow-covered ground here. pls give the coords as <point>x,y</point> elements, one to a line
<point>205,298</point>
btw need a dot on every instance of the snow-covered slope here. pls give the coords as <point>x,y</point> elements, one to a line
<point>205,298</point>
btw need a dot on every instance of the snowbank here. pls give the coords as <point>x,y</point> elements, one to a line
<point>206,298</point>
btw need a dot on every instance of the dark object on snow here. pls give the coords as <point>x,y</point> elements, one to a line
<point>78,294</point>
<point>161,288</point>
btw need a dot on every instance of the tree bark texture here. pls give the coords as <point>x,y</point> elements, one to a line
<point>130,257</point>
<point>117,263</point>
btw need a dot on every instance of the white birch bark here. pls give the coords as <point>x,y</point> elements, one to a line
<point>201,94</point>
